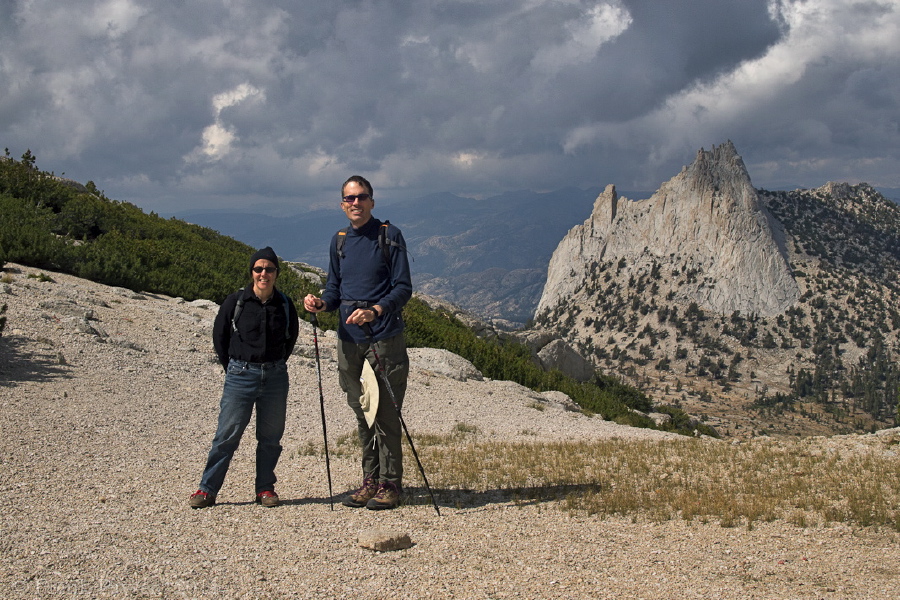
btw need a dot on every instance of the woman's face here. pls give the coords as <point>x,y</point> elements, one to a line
<point>264,280</point>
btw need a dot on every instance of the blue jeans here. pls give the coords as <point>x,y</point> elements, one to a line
<point>247,384</point>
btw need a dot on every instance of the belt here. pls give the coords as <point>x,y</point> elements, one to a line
<point>357,303</point>
<point>257,365</point>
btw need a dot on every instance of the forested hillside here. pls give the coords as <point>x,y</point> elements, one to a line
<point>57,224</point>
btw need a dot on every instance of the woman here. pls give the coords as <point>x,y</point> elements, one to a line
<point>254,333</point>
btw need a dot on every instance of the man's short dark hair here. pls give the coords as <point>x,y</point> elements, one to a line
<point>361,181</point>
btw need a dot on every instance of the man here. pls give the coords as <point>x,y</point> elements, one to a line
<point>369,283</point>
<point>253,335</point>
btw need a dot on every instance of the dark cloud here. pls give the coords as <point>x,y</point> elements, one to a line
<point>173,105</point>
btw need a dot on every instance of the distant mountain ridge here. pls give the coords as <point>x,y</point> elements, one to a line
<point>488,256</point>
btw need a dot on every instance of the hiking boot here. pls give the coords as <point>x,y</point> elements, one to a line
<point>365,493</point>
<point>388,496</point>
<point>201,499</point>
<point>267,498</point>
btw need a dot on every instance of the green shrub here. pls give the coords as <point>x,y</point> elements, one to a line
<point>604,395</point>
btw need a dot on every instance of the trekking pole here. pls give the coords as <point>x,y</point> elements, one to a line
<point>315,323</point>
<point>387,384</point>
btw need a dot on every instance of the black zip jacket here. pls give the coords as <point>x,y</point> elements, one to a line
<point>260,335</point>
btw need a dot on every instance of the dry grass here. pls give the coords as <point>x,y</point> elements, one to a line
<point>809,482</point>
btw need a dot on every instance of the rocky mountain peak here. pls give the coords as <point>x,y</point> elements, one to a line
<point>704,235</point>
<point>721,298</point>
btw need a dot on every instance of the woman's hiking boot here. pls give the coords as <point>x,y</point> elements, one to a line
<point>201,499</point>
<point>268,498</point>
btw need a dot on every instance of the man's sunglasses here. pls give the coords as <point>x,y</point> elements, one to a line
<point>266,269</point>
<point>361,197</point>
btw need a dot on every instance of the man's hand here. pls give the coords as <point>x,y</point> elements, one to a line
<point>313,304</point>
<point>361,316</point>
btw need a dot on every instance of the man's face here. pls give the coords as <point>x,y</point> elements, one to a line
<point>358,210</point>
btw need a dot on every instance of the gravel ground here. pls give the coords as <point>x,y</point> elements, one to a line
<point>110,405</point>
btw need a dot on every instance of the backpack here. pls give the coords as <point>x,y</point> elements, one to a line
<point>384,242</point>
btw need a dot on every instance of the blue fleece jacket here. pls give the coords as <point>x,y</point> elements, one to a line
<point>363,276</point>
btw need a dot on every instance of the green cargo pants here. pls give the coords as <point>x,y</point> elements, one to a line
<point>382,452</point>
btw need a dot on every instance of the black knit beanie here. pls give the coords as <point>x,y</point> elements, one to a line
<point>265,253</point>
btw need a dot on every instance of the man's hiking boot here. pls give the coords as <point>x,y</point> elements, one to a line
<point>201,499</point>
<point>365,493</point>
<point>267,498</point>
<point>388,496</point>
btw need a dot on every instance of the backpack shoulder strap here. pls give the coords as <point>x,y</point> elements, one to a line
<point>341,238</point>
<point>385,243</point>
<point>237,310</point>
<point>287,317</point>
